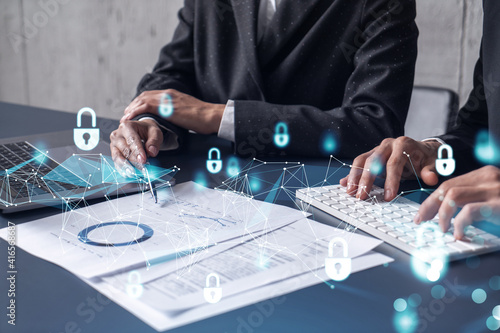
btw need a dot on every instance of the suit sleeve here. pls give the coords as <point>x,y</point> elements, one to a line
<point>376,96</point>
<point>472,118</point>
<point>175,68</point>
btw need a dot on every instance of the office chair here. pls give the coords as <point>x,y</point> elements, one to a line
<point>432,112</point>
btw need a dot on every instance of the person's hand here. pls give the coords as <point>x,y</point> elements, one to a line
<point>188,112</point>
<point>128,143</point>
<point>478,192</point>
<point>394,154</point>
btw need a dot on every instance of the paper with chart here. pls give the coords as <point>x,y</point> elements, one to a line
<point>162,321</point>
<point>292,250</point>
<point>277,280</point>
<point>133,230</point>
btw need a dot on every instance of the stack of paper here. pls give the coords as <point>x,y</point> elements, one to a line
<point>258,250</point>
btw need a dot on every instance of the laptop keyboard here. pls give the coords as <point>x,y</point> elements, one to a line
<point>393,223</point>
<point>22,168</point>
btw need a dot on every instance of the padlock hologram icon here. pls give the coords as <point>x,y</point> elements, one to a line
<point>212,294</point>
<point>86,138</point>
<point>429,259</point>
<point>214,163</point>
<point>166,107</point>
<point>281,136</point>
<point>233,168</point>
<point>134,287</point>
<point>338,269</point>
<point>445,166</point>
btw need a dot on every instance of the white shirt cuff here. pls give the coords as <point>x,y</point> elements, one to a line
<point>435,139</point>
<point>170,139</point>
<point>226,128</point>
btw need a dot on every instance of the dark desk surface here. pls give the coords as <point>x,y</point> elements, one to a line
<point>47,296</point>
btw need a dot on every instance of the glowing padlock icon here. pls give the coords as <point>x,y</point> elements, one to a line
<point>86,138</point>
<point>166,107</point>
<point>214,165</point>
<point>445,166</point>
<point>338,269</point>
<point>212,294</point>
<point>281,136</point>
<point>430,259</point>
<point>134,287</point>
<point>233,168</point>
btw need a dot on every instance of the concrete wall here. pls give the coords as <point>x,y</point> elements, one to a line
<point>66,54</point>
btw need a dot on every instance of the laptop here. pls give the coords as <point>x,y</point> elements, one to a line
<point>49,170</point>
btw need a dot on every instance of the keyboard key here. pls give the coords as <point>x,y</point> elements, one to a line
<point>385,229</point>
<point>409,209</point>
<point>322,198</point>
<point>392,216</point>
<point>395,234</point>
<point>458,246</point>
<point>407,219</point>
<point>407,239</point>
<point>376,224</point>
<point>367,219</point>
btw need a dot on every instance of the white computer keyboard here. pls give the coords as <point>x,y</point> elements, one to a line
<point>393,222</point>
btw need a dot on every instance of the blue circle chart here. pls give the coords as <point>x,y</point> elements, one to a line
<point>83,235</point>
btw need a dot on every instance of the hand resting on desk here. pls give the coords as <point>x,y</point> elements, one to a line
<point>188,112</point>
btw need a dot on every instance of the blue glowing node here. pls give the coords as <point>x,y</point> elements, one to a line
<point>199,178</point>
<point>479,296</point>
<point>492,323</point>
<point>496,312</point>
<point>376,167</point>
<point>233,168</point>
<point>400,305</point>
<point>474,261</point>
<point>166,107</point>
<point>438,291</point>
<point>406,321</point>
<point>254,184</point>
<point>486,211</point>
<point>414,300</point>
<point>263,261</point>
<point>486,150</point>
<point>328,143</point>
<point>495,282</point>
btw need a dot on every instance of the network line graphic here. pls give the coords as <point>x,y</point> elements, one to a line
<point>125,228</point>
<point>125,223</point>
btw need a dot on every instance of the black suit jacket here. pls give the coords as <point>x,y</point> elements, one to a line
<point>482,110</point>
<point>338,67</point>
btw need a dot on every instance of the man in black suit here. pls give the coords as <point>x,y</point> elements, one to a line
<point>341,69</point>
<point>477,192</point>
